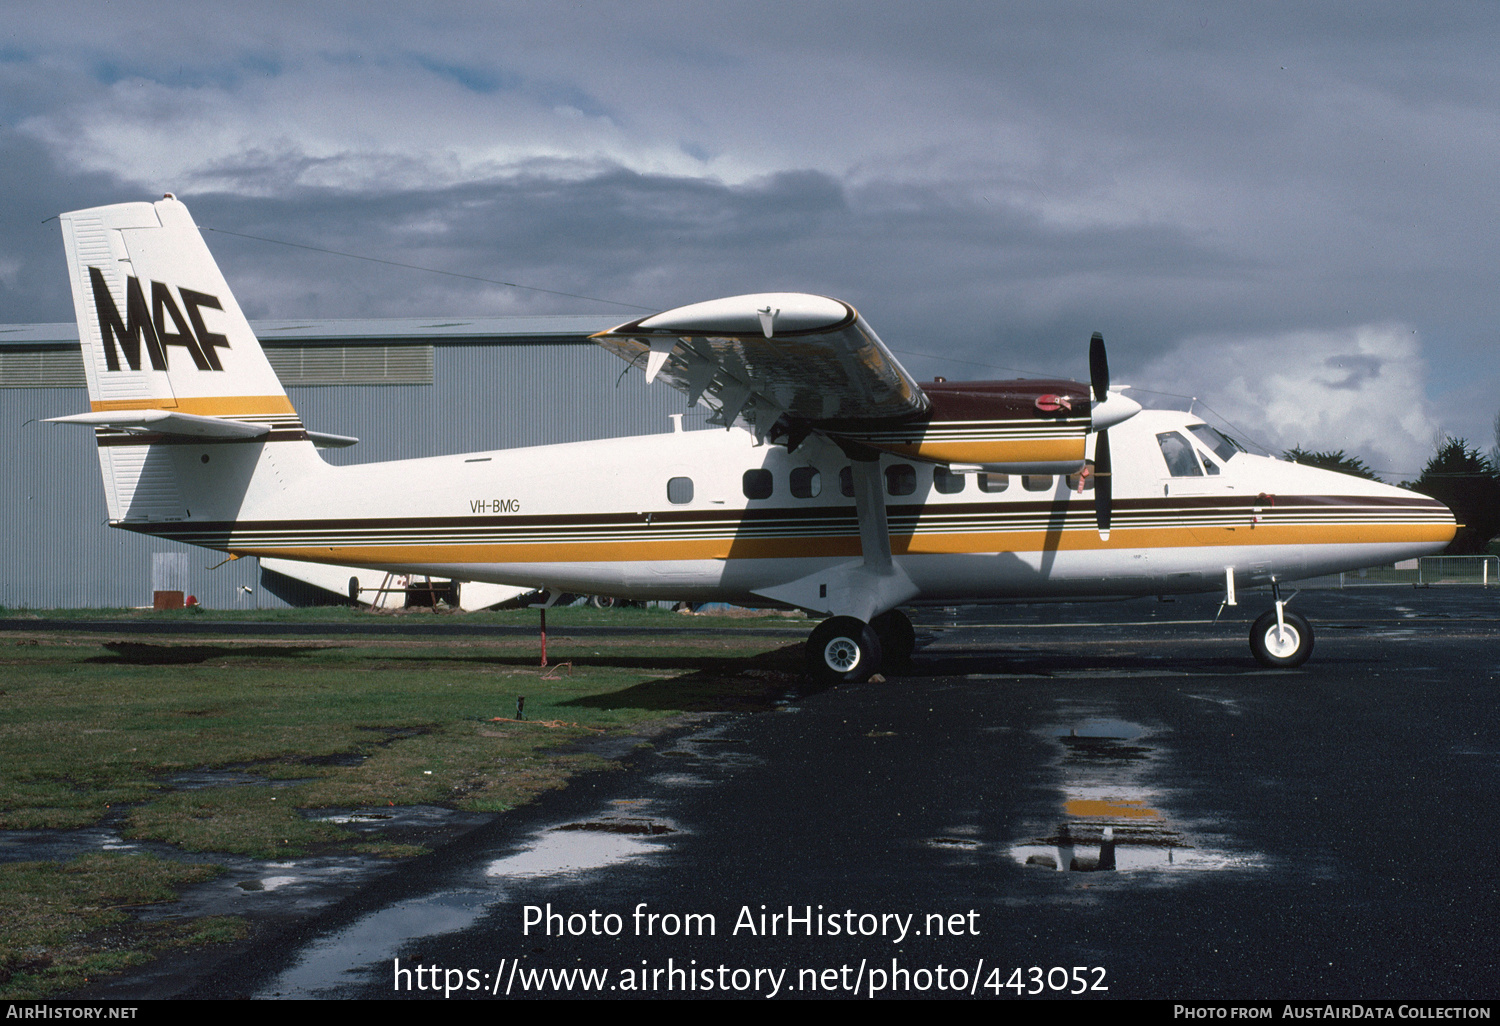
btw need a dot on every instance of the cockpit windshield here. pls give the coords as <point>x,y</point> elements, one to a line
<point>1221,446</point>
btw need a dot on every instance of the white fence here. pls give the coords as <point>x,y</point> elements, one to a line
<point>1481,570</point>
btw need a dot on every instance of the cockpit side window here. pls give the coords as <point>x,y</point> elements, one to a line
<point>1220,445</point>
<point>1178,452</point>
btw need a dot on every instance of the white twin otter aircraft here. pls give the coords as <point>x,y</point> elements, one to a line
<point>839,485</point>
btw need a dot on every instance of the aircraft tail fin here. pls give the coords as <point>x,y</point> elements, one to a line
<point>171,364</point>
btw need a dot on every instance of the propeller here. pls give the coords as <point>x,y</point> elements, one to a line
<point>1103,486</point>
<point>1098,368</point>
<point>1103,489</point>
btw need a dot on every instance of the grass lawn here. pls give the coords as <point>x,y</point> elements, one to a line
<point>94,723</point>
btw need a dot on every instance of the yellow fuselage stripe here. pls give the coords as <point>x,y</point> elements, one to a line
<point>208,406</point>
<point>1075,539</point>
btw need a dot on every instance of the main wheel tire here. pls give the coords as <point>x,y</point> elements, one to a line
<point>898,639</point>
<point>1285,648</point>
<point>843,649</point>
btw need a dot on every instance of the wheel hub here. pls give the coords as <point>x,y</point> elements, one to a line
<point>1282,641</point>
<point>841,655</point>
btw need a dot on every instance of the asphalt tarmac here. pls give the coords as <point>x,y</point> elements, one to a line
<point>1324,832</point>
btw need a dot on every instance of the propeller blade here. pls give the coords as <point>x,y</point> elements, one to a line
<point>1098,368</point>
<point>1103,484</point>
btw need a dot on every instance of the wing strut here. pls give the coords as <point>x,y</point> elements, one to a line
<point>874,528</point>
<point>865,587</point>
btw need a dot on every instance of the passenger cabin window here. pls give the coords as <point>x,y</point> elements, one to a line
<point>1036,482</point>
<point>757,484</point>
<point>946,481</point>
<point>900,479</point>
<point>994,482</point>
<point>680,490</point>
<point>806,482</point>
<point>1178,452</point>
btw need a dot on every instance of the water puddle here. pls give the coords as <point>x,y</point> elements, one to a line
<point>679,780</point>
<point>1111,818</point>
<point>574,848</point>
<point>204,779</point>
<point>622,826</point>
<point>270,891</point>
<point>569,855</point>
<point>267,883</point>
<point>953,844</point>
<point>347,818</point>
<point>63,845</point>
<point>429,825</point>
<point>697,760</point>
<point>367,946</point>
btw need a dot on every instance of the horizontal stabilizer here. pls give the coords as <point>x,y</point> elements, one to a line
<point>323,440</point>
<point>187,425</point>
<point>166,422</point>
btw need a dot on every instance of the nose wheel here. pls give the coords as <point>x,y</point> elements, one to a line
<point>1281,645</point>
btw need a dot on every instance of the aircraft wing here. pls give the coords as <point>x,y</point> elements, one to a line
<point>762,356</point>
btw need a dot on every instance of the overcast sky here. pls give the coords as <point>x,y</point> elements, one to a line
<point>1286,210</point>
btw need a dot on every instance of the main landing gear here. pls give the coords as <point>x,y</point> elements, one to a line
<point>846,649</point>
<point>1281,639</point>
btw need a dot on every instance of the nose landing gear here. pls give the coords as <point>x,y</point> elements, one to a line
<point>1283,645</point>
<point>1280,639</point>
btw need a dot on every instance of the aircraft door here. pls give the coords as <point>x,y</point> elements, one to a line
<point>1181,471</point>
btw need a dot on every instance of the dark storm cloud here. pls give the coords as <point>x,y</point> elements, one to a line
<point>33,274</point>
<point>933,274</point>
<point>987,182</point>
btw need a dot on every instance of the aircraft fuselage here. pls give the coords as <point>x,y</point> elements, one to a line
<point>709,514</point>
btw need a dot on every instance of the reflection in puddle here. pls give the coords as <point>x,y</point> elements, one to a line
<point>953,843</point>
<point>679,780</point>
<point>1128,858</point>
<point>1098,727</point>
<point>352,817</point>
<point>577,848</point>
<point>1112,821</point>
<point>1117,807</point>
<point>367,945</point>
<point>267,883</point>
